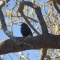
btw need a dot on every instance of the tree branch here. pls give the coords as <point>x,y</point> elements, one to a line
<point>40,18</point>
<point>39,14</point>
<point>4,27</point>
<point>40,41</point>
<point>26,19</point>
<point>56,7</point>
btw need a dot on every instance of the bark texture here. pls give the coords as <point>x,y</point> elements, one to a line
<point>37,42</point>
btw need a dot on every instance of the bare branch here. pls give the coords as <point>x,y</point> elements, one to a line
<point>4,27</point>
<point>2,2</point>
<point>39,15</point>
<point>40,41</point>
<point>56,7</point>
<point>58,1</point>
<point>26,19</point>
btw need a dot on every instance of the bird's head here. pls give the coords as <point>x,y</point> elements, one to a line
<point>23,24</point>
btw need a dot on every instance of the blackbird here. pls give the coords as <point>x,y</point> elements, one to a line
<point>25,30</point>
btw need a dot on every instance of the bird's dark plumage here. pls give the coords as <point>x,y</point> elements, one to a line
<point>25,30</point>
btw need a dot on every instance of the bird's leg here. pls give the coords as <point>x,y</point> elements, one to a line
<point>25,39</point>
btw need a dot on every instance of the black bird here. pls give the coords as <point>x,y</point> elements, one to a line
<point>25,30</point>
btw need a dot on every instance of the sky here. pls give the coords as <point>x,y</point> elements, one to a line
<point>33,54</point>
